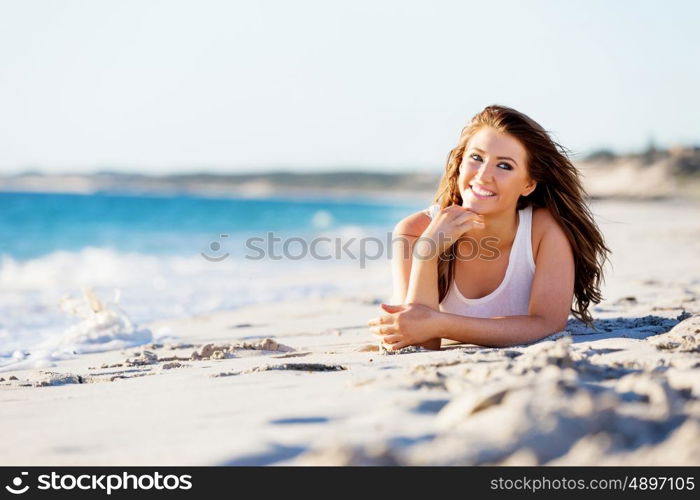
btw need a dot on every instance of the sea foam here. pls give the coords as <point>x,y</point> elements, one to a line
<point>38,324</point>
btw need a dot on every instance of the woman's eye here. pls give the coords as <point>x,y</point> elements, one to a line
<point>507,166</point>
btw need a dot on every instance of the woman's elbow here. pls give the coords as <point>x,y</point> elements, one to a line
<point>551,323</point>
<point>559,323</point>
<point>546,327</point>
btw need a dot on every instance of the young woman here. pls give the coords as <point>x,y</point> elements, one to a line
<point>506,249</point>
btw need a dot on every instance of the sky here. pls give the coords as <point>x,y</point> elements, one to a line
<point>252,85</point>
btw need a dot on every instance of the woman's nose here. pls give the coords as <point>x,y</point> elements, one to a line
<point>484,172</point>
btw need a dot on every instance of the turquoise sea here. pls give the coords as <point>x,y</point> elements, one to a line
<point>174,256</point>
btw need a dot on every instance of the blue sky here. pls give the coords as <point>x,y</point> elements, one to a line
<point>163,86</point>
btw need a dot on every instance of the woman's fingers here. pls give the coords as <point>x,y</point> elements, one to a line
<point>382,320</point>
<point>383,329</point>
<point>399,345</point>
<point>391,339</point>
<point>469,217</point>
<point>468,225</point>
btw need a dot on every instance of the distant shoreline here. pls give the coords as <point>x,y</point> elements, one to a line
<point>653,174</point>
<point>290,194</point>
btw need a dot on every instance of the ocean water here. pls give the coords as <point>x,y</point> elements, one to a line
<point>153,257</point>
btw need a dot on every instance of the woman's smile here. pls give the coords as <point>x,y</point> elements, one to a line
<point>481,193</point>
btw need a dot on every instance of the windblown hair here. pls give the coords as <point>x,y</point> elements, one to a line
<point>559,188</point>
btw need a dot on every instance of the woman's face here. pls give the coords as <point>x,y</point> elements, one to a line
<point>493,173</point>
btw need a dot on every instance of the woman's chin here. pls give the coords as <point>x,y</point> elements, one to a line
<point>477,206</point>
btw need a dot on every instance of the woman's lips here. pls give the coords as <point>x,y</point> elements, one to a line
<point>481,196</point>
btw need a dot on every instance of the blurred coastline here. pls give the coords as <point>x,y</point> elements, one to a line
<point>650,174</point>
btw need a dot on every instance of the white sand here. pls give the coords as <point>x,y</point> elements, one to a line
<point>627,394</point>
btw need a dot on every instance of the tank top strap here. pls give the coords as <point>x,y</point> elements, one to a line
<point>526,235</point>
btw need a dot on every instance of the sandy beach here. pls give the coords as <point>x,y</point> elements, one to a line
<point>303,382</point>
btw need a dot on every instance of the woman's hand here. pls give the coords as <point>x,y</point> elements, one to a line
<point>404,325</point>
<point>445,229</point>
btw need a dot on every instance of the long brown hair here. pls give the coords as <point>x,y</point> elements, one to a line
<point>559,188</point>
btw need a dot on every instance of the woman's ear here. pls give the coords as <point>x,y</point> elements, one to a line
<point>532,185</point>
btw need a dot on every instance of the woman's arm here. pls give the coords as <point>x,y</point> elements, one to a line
<point>417,243</point>
<point>403,267</point>
<point>550,302</point>
<point>423,280</point>
<point>404,236</point>
<point>500,331</point>
<point>423,290</point>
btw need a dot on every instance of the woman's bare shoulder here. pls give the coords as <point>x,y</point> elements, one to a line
<point>542,216</point>
<point>413,225</point>
<point>543,222</point>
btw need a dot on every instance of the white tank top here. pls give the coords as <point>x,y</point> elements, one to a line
<point>512,297</point>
